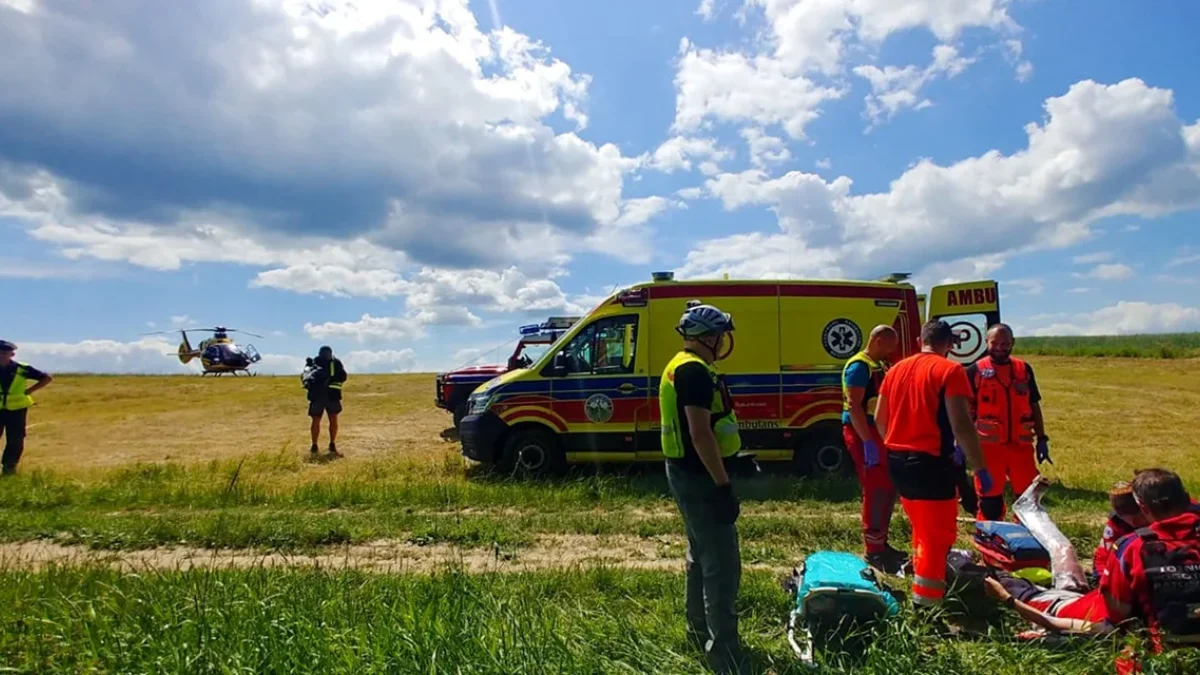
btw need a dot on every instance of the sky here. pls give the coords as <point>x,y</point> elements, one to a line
<point>411,180</point>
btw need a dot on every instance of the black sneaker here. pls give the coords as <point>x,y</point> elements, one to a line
<point>333,452</point>
<point>903,560</point>
<point>8,470</point>
<point>888,561</point>
<point>313,451</point>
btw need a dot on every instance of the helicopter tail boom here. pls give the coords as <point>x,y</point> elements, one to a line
<point>186,353</point>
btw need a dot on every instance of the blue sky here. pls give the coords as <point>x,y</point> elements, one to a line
<point>411,180</point>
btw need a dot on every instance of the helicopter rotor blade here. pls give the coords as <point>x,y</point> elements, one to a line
<point>234,330</point>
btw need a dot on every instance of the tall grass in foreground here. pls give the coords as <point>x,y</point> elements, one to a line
<point>598,621</point>
<point>1161,346</point>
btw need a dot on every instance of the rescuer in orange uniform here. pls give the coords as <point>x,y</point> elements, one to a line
<point>1007,411</point>
<point>923,407</point>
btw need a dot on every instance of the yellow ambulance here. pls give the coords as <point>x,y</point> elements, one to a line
<point>593,397</point>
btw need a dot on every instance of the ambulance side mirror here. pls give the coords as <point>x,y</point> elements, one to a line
<point>558,367</point>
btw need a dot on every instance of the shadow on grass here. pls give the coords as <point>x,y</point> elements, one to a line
<point>648,479</point>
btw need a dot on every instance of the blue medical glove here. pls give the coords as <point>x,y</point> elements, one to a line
<point>870,454</point>
<point>1043,451</point>
<point>985,480</point>
<point>959,458</point>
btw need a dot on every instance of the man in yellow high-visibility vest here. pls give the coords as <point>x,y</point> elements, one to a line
<point>17,382</point>
<point>699,436</point>
<point>861,379</point>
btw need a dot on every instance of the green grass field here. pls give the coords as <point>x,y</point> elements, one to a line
<point>1163,346</point>
<point>170,524</point>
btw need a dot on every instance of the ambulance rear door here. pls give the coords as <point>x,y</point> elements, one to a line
<point>970,308</point>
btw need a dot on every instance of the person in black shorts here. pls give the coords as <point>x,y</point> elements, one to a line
<point>325,397</point>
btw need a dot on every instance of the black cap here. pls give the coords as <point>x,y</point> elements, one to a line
<point>6,346</point>
<point>325,350</point>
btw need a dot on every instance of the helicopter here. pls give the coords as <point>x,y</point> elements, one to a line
<point>218,354</point>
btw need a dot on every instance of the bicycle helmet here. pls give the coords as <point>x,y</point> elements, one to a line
<point>703,320</point>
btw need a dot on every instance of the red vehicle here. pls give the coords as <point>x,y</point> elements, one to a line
<point>455,386</point>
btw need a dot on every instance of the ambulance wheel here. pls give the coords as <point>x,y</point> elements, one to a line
<point>822,452</point>
<point>532,452</point>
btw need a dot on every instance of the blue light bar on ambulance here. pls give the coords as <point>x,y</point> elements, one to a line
<point>532,329</point>
<point>662,276</point>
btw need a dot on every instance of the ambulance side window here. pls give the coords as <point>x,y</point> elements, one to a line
<point>599,348</point>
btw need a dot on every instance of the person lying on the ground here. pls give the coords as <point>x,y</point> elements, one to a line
<point>1068,607</point>
<point>1055,611</point>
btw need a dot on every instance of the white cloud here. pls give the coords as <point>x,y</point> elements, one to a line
<point>824,163</point>
<point>677,153</point>
<point>765,149</point>
<point>469,356</point>
<point>775,82</point>
<point>1185,259</point>
<point>707,9</point>
<point>264,133</point>
<point>1092,258</point>
<point>1027,286</point>
<point>180,320</point>
<point>1132,228</point>
<point>1024,68</point>
<point>1079,289</point>
<point>894,89</point>
<point>1102,151</point>
<point>819,34</point>
<point>690,193</point>
<point>1126,318</point>
<point>734,87</point>
<point>368,328</point>
<point>1176,280</point>
<point>333,280</point>
<point>1107,272</point>
<point>442,297</point>
<point>383,361</point>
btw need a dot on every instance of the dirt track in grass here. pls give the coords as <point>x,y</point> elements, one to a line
<point>388,556</point>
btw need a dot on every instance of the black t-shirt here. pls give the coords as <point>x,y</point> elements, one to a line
<point>1035,396</point>
<point>7,375</point>
<point>694,386</point>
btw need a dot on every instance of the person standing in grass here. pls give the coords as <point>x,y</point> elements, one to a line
<point>924,405</point>
<point>15,400</point>
<point>325,397</point>
<point>861,379</point>
<point>1007,409</point>
<point>699,435</point>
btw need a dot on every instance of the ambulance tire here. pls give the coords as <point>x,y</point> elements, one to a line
<point>822,452</point>
<point>532,452</point>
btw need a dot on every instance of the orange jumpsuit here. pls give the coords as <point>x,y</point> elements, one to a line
<point>920,445</point>
<point>1003,412</point>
